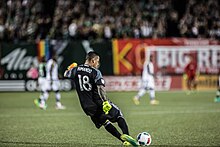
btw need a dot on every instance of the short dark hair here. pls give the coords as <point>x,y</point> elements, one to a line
<point>90,55</point>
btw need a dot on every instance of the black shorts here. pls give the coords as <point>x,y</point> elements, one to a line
<point>100,117</point>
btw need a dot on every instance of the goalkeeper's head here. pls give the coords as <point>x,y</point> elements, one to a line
<point>92,59</point>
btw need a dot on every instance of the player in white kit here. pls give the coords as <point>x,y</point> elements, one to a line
<point>42,82</point>
<point>53,80</point>
<point>147,83</point>
<point>51,83</point>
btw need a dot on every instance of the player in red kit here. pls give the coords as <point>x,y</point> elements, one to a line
<point>217,98</point>
<point>190,74</point>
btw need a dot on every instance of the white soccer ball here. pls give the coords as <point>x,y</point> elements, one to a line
<point>144,139</point>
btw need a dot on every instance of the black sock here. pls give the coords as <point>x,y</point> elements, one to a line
<point>111,129</point>
<point>123,125</point>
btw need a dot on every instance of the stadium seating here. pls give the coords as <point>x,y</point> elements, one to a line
<point>95,19</point>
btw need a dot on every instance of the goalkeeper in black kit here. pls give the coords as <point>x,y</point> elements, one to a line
<point>90,89</point>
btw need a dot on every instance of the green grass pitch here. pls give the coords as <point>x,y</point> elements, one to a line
<point>179,120</point>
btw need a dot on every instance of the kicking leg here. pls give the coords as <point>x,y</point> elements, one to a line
<point>112,130</point>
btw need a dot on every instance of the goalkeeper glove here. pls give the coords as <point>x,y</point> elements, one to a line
<point>106,107</point>
<point>74,64</point>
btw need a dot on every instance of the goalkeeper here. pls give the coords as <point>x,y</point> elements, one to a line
<point>90,89</point>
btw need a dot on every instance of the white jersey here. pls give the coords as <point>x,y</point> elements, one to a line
<point>52,70</point>
<point>148,71</point>
<point>148,75</point>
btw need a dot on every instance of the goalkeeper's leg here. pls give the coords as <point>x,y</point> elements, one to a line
<point>112,130</point>
<point>100,119</point>
<point>125,136</point>
<point>123,125</point>
<point>126,139</point>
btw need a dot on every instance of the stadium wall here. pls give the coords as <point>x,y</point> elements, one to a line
<point>121,62</point>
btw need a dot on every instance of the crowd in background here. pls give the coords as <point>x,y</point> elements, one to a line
<point>32,20</point>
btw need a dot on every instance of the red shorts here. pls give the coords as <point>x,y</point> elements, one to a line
<point>191,77</point>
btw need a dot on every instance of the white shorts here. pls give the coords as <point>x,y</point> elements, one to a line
<point>148,83</point>
<point>54,85</point>
<point>43,84</point>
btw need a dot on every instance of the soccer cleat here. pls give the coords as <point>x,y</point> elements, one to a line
<point>126,143</point>
<point>43,106</point>
<point>129,139</point>
<point>136,101</point>
<point>37,102</point>
<point>59,106</point>
<point>154,102</point>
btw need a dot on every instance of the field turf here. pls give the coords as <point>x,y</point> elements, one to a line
<point>179,120</point>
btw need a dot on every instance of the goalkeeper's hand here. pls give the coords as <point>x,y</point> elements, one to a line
<point>106,107</point>
<point>74,64</point>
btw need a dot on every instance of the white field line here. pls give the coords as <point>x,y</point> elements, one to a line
<point>174,112</point>
<point>185,91</point>
<point>132,113</point>
<point>41,115</point>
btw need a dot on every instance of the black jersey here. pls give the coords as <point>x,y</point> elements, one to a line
<point>42,69</point>
<point>86,79</point>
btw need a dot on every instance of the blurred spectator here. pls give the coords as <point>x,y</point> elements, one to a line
<point>95,19</point>
<point>201,19</point>
<point>73,29</point>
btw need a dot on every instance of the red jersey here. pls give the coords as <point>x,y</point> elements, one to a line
<point>190,69</point>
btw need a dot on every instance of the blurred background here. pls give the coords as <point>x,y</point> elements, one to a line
<point>123,32</point>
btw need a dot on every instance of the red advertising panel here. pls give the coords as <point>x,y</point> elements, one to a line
<point>133,83</point>
<point>171,55</point>
<point>128,56</point>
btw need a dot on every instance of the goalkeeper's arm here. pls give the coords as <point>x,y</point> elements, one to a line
<point>68,72</point>
<point>102,93</point>
<point>105,105</point>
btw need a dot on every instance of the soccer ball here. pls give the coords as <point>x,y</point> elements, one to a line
<point>144,139</point>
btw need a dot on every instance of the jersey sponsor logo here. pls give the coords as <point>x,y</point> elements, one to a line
<point>84,69</point>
